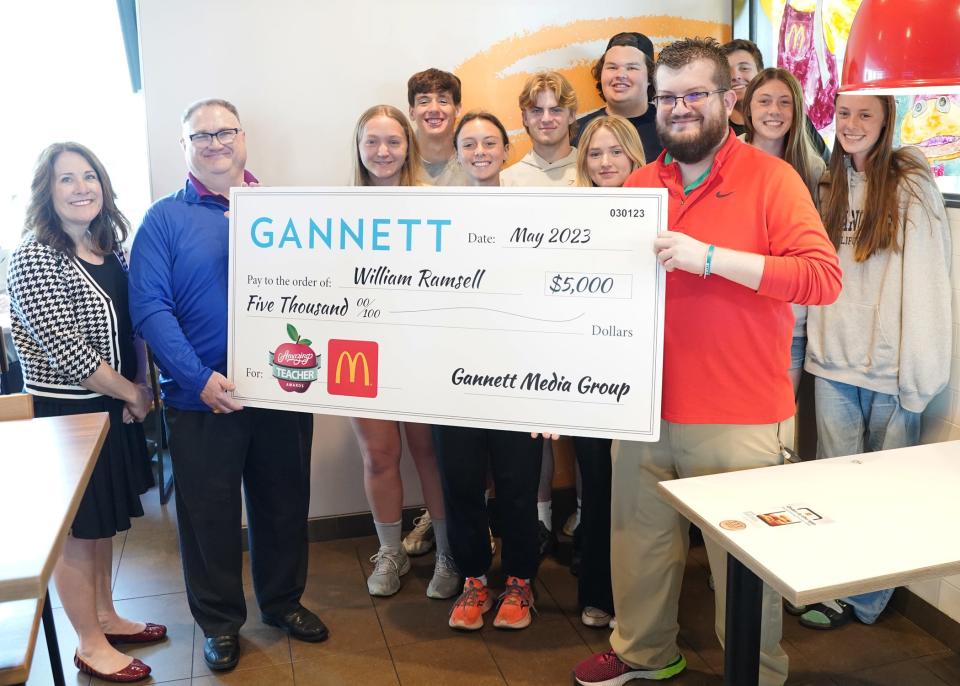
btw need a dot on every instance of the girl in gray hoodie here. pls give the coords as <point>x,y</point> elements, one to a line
<point>881,352</point>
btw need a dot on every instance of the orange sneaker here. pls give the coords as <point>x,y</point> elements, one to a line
<point>467,612</point>
<point>516,604</point>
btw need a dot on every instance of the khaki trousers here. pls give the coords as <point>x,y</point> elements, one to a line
<point>649,539</point>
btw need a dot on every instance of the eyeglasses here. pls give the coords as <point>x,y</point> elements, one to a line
<point>690,99</point>
<point>203,139</point>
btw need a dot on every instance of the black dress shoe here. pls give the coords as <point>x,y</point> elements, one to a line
<point>221,652</point>
<point>300,624</point>
<point>548,542</point>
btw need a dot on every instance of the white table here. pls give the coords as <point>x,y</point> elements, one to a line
<point>45,465</point>
<point>887,519</point>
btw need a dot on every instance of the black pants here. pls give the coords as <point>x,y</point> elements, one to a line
<point>269,451</point>
<point>593,582</point>
<point>465,456</point>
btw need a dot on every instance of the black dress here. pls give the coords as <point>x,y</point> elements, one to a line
<point>122,472</point>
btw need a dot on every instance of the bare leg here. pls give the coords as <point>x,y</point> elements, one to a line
<point>75,578</point>
<point>380,445</point>
<point>420,440</point>
<point>110,621</point>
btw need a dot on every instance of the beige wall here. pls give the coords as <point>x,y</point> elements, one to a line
<point>301,73</point>
<point>941,422</point>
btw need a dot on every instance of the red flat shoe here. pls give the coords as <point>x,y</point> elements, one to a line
<point>135,671</point>
<point>151,632</point>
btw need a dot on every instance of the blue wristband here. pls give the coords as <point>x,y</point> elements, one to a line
<point>707,263</point>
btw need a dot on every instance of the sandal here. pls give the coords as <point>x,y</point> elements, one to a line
<point>829,615</point>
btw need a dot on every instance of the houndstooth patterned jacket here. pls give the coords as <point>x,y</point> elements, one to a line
<point>64,324</point>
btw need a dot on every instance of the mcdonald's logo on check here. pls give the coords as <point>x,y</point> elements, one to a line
<point>352,368</point>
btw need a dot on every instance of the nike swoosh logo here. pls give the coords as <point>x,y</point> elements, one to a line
<point>724,195</point>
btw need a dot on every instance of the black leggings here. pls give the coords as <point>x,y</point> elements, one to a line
<point>465,456</point>
<point>593,582</point>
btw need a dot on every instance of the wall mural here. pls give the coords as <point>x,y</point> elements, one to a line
<point>932,123</point>
<point>802,50</point>
<point>811,38</point>
<point>511,61</point>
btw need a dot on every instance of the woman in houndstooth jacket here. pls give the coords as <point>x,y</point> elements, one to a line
<point>71,327</point>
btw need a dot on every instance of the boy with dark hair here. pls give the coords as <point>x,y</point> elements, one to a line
<point>434,99</point>
<point>623,79</point>
<point>746,61</point>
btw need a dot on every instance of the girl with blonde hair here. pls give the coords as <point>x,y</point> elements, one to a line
<point>609,151</point>
<point>386,154</point>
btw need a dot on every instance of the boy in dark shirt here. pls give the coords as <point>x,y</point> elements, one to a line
<point>623,80</point>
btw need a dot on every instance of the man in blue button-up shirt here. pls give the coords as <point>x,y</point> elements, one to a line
<point>178,302</point>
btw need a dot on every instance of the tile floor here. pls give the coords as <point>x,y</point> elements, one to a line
<point>405,639</point>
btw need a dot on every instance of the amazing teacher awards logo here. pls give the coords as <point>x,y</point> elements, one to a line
<point>295,365</point>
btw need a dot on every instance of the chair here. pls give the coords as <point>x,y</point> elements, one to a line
<point>156,428</point>
<point>19,624</point>
<point>16,406</point>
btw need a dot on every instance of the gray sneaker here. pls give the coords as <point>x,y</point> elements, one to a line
<point>421,540</point>
<point>388,567</point>
<point>446,581</point>
<point>595,617</point>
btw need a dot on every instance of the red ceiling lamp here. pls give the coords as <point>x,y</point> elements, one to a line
<point>903,46</point>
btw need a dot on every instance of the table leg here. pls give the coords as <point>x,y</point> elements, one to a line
<point>53,647</point>
<point>741,662</point>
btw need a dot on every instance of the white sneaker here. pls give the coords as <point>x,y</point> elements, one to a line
<point>570,526</point>
<point>595,617</point>
<point>420,540</point>
<point>446,579</point>
<point>388,567</point>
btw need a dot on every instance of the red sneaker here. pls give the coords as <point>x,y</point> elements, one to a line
<point>467,612</point>
<point>516,603</point>
<point>606,669</point>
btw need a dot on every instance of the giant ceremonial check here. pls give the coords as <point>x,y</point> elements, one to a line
<point>520,309</point>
